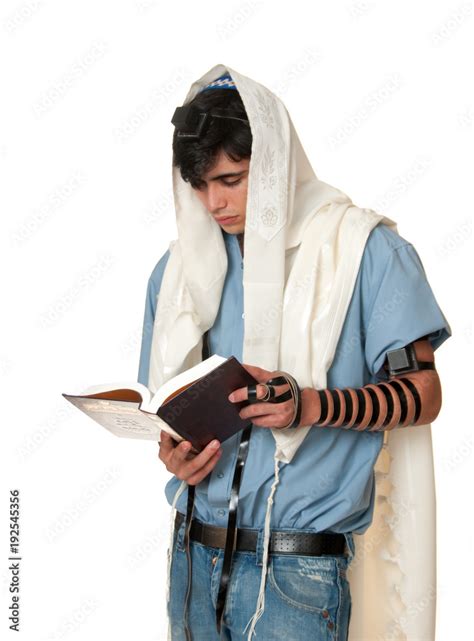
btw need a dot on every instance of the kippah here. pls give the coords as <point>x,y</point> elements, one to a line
<point>223,82</point>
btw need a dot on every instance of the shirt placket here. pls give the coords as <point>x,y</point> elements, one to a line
<point>220,479</point>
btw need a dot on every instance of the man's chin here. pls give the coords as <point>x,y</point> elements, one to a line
<point>236,227</point>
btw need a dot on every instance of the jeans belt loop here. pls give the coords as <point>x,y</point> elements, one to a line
<point>259,547</point>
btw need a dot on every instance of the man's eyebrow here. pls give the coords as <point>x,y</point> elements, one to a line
<point>230,174</point>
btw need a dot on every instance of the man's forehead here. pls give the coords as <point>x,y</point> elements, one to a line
<point>225,166</point>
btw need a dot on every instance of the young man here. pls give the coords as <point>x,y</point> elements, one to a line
<point>339,328</point>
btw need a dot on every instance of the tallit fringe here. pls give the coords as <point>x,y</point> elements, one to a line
<point>178,493</point>
<point>266,544</point>
<point>382,547</point>
<point>391,554</point>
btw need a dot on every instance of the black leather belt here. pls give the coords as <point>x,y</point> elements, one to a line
<point>281,542</point>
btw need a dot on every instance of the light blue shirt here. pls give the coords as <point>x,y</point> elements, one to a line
<point>330,484</point>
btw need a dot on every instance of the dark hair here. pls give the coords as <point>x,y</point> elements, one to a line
<point>195,157</point>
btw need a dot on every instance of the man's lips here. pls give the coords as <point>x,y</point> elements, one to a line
<point>225,219</point>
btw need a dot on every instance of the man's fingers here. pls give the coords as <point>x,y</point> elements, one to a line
<point>200,459</point>
<point>241,394</point>
<point>165,437</point>
<point>181,460</point>
<point>197,477</point>
<point>257,372</point>
<point>168,446</point>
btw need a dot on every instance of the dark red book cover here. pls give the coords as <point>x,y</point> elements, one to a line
<point>201,411</point>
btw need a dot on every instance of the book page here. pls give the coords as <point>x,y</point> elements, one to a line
<point>123,418</point>
<point>141,390</point>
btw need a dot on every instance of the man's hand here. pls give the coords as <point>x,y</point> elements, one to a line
<point>178,459</point>
<point>276,415</point>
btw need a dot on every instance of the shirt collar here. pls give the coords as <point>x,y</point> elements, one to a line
<point>229,238</point>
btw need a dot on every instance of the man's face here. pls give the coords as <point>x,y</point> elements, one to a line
<point>223,192</point>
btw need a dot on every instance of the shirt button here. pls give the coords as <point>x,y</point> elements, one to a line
<point>243,315</point>
<point>220,475</point>
<point>221,512</point>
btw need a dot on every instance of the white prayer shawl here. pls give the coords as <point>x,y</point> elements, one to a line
<point>304,241</point>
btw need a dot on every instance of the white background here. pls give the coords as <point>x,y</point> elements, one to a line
<point>378,94</point>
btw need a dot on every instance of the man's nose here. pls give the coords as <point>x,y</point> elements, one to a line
<point>216,199</point>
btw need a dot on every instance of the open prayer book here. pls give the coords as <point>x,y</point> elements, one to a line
<point>193,405</point>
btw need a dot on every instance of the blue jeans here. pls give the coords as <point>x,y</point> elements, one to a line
<point>307,598</point>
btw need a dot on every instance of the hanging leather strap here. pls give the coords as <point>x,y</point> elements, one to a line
<point>189,516</point>
<point>186,543</point>
<point>231,525</point>
<point>231,537</point>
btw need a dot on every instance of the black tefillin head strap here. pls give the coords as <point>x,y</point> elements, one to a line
<point>190,121</point>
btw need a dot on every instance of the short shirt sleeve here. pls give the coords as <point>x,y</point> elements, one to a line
<point>151,299</point>
<point>404,308</point>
